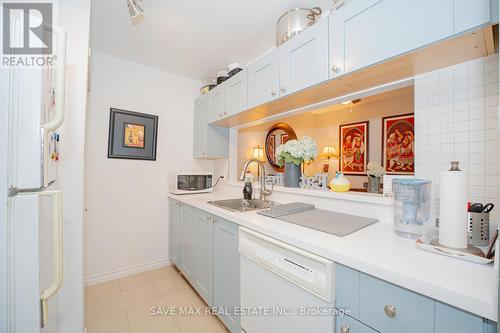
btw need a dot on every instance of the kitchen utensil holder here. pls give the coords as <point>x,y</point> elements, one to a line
<point>478,229</point>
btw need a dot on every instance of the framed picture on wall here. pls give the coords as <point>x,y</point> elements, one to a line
<point>132,135</point>
<point>271,147</point>
<point>353,148</point>
<point>398,140</point>
<point>284,138</point>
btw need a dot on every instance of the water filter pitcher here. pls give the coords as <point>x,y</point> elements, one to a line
<point>411,206</point>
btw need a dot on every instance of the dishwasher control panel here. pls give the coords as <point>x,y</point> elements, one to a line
<point>305,269</point>
<point>299,270</point>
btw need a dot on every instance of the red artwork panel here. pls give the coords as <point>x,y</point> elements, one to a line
<point>353,148</point>
<point>398,137</point>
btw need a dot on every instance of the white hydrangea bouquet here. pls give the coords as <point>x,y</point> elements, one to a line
<point>374,169</point>
<point>297,151</point>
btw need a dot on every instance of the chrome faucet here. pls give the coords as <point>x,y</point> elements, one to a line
<point>263,191</point>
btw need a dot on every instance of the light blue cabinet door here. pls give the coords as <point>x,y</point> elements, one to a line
<point>304,59</point>
<point>200,142</point>
<point>452,320</point>
<point>174,235</point>
<point>336,44</point>
<point>346,324</point>
<point>216,103</point>
<point>391,309</point>
<point>470,14</point>
<point>204,256</point>
<point>237,93</point>
<point>347,290</point>
<point>378,30</point>
<point>217,142</point>
<point>263,79</point>
<point>188,237</point>
<point>227,272</point>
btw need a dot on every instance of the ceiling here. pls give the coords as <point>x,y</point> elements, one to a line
<point>194,38</point>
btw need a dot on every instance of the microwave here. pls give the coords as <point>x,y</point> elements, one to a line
<point>191,182</point>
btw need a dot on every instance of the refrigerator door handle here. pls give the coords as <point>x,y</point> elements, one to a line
<point>45,295</point>
<point>58,119</point>
<point>60,83</point>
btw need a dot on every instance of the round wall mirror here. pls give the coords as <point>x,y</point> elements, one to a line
<point>278,134</point>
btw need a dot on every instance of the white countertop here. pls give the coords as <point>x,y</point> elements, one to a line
<point>376,250</point>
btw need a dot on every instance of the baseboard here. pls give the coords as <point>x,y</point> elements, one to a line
<point>127,271</point>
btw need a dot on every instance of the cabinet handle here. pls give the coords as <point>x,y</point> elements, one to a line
<point>335,69</point>
<point>390,311</point>
<point>282,89</point>
<point>225,112</point>
<point>273,92</point>
<point>344,329</point>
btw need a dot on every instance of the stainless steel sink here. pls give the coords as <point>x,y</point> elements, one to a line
<point>242,205</point>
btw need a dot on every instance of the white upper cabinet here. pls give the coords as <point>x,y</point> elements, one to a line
<point>208,141</point>
<point>303,60</point>
<point>377,30</point>
<point>471,13</point>
<point>216,103</point>
<point>336,44</point>
<point>263,79</point>
<point>236,93</point>
<point>200,145</point>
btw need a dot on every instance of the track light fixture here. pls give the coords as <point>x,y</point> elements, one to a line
<point>134,9</point>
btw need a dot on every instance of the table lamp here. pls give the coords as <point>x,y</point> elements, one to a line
<point>328,153</point>
<point>258,153</point>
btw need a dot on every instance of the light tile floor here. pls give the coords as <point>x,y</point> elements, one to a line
<point>125,305</point>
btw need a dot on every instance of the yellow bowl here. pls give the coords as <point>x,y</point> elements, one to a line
<point>340,187</point>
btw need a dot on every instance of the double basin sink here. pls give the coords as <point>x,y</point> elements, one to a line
<point>242,205</point>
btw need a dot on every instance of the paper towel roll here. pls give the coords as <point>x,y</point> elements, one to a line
<point>453,209</point>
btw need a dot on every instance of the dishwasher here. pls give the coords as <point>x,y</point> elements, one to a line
<point>284,288</point>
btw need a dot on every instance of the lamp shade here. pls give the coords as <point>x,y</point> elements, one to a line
<point>329,152</point>
<point>258,153</point>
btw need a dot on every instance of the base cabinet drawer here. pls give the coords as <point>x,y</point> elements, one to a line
<point>453,320</point>
<point>389,308</point>
<point>346,324</point>
<point>383,307</point>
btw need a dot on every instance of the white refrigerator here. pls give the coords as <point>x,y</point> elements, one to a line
<point>34,229</point>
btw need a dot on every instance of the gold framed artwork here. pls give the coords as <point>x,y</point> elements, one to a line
<point>398,139</point>
<point>353,148</point>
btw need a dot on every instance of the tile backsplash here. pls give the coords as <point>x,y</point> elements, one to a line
<point>456,118</point>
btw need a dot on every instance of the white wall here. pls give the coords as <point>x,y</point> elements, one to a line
<point>127,217</point>
<point>456,118</point>
<point>74,16</point>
